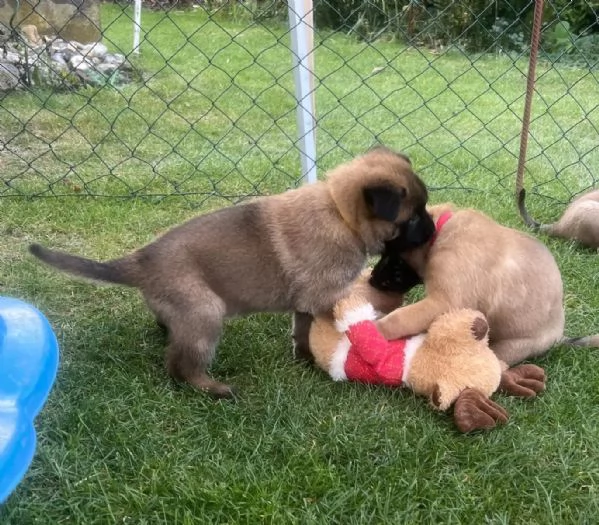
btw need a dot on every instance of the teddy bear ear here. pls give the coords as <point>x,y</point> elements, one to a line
<point>479,328</point>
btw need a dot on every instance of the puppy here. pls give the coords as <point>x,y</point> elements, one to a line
<point>580,221</point>
<point>299,250</point>
<point>473,262</point>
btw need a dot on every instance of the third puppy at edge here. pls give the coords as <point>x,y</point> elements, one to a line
<point>580,221</point>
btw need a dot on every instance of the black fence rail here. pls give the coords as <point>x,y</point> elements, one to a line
<point>206,106</point>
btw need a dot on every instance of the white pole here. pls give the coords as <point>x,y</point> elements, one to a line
<point>136,25</point>
<point>302,44</point>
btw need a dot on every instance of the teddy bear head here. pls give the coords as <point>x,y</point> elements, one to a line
<point>460,331</point>
<point>454,356</point>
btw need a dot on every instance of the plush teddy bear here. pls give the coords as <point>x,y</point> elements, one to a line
<point>451,364</point>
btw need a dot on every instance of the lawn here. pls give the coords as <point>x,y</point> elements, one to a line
<point>119,442</point>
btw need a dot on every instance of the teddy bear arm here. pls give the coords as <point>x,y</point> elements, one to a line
<point>525,380</point>
<point>475,411</point>
<point>351,302</point>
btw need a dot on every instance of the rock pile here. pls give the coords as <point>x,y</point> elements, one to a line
<point>52,61</point>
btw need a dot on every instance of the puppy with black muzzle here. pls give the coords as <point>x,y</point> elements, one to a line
<point>297,251</point>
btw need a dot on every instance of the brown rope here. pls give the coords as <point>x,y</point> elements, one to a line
<point>530,86</point>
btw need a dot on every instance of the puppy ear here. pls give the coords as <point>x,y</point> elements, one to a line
<point>479,328</point>
<point>384,201</point>
<point>384,149</point>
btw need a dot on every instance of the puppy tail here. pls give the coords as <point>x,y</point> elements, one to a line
<point>118,271</point>
<point>528,220</point>
<point>589,340</point>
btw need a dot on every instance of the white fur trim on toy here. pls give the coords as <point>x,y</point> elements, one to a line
<point>337,364</point>
<point>362,313</point>
<point>412,345</point>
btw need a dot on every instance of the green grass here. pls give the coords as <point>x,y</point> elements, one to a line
<point>119,442</point>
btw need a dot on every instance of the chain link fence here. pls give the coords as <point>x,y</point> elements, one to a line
<point>206,106</point>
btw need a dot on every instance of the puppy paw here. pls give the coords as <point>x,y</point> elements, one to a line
<point>474,411</point>
<point>214,389</point>
<point>222,391</point>
<point>522,381</point>
<point>302,323</point>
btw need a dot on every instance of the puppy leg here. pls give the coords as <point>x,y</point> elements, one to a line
<point>301,336</point>
<point>512,351</point>
<point>194,319</point>
<point>161,326</point>
<point>411,319</point>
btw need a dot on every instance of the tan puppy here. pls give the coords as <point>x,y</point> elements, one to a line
<point>299,250</point>
<point>473,262</point>
<point>580,221</point>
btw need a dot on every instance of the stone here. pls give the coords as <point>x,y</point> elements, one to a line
<point>62,64</point>
<point>4,29</point>
<point>114,58</point>
<point>9,76</point>
<point>59,59</point>
<point>66,49</point>
<point>79,62</point>
<point>97,50</point>
<point>13,57</point>
<point>71,19</point>
<point>106,69</point>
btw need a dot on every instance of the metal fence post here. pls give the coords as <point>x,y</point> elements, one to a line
<point>302,42</point>
<point>136,25</point>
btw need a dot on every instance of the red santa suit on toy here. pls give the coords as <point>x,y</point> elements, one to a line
<point>364,355</point>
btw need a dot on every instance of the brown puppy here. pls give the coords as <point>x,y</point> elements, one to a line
<point>299,250</point>
<point>473,262</point>
<point>580,221</point>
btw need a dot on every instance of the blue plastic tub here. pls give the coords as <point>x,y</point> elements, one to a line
<point>28,365</point>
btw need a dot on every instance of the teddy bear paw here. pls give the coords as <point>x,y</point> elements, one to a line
<point>474,411</point>
<point>523,381</point>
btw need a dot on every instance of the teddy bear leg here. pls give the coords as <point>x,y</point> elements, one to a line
<point>523,381</point>
<point>475,411</point>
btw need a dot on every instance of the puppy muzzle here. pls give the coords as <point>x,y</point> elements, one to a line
<point>414,232</point>
<point>393,274</point>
